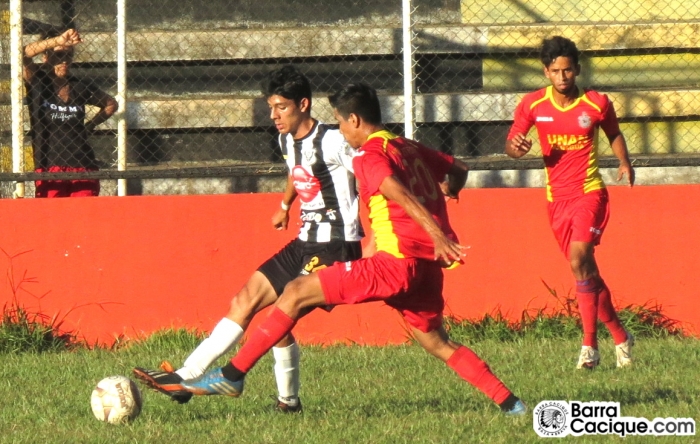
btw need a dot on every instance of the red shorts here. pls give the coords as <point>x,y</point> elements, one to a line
<point>582,219</point>
<point>66,188</point>
<point>412,286</point>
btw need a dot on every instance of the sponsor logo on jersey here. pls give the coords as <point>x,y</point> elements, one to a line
<point>307,186</point>
<point>568,142</point>
<point>544,119</point>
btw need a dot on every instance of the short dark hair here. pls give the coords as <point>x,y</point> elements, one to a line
<point>360,99</point>
<point>287,82</point>
<point>558,46</point>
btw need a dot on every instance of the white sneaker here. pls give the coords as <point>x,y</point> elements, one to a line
<point>624,352</point>
<point>589,358</point>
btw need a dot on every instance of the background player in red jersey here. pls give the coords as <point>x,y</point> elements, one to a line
<point>320,174</point>
<point>399,181</point>
<point>567,118</point>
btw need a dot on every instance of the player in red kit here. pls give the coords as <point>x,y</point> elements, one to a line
<point>567,119</point>
<point>399,181</point>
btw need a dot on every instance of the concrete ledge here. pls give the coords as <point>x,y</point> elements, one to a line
<point>509,11</point>
<point>267,43</point>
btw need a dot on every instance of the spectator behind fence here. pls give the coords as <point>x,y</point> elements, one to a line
<point>57,114</point>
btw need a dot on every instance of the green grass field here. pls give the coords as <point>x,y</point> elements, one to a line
<point>351,394</point>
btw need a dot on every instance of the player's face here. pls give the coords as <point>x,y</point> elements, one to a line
<point>287,115</point>
<point>348,130</point>
<point>562,73</point>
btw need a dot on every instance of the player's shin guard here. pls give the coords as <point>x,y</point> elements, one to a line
<point>269,333</point>
<point>476,372</point>
<point>608,316</point>
<point>587,297</point>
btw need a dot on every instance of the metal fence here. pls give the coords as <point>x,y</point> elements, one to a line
<point>186,76</point>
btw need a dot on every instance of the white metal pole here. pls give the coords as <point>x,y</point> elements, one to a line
<point>16,92</point>
<point>408,81</point>
<point>121,94</point>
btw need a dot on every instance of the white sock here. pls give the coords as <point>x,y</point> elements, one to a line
<point>287,373</point>
<point>222,339</point>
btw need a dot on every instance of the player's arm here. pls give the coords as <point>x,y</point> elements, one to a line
<point>611,127</point>
<point>619,148</point>
<point>446,250</point>
<point>280,219</point>
<point>517,143</point>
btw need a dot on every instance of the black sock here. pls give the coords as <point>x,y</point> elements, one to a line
<point>509,403</point>
<point>232,373</point>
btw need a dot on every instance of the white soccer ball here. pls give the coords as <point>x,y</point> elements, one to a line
<point>116,400</point>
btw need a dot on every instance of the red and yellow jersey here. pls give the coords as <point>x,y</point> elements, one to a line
<point>568,138</point>
<point>419,169</point>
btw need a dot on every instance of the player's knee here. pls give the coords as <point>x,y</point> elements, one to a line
<point>244,302</point>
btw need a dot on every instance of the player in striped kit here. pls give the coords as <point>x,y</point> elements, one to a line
<point>320,174</point>
<point>403,184</point>
<point>567,119</point>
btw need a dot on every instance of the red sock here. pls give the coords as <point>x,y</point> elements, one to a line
<point>587,296</point>
<point>607,315</point>
<point>476,372</point>
<point>269,333</point>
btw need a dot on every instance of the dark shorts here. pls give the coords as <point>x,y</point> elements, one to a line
<point>66,188</point>
<point>582,219</point>
<point>299,258</point>
<point>411,286</point>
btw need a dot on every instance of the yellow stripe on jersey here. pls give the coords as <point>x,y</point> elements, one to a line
<point>550,196</point>
<point>384,235</point>
<point>384,134</point>
<point>596,107</point>
<point>547,96</point>
<point>593,180</point>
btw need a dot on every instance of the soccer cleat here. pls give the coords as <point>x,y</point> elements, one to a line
<point>214,383</point>
<point>589,358</point>
<point>165,381</point>
<point>624,352</point>
<point>283,407</point>
<point>518,409</point>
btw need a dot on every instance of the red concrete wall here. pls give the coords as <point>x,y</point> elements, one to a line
<point>129,266</point>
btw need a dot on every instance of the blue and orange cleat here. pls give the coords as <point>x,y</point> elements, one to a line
<point>214,383</point>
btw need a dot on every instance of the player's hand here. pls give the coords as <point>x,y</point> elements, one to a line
<point>626,169</point>
<point>521,144</point>
<point>280,219</point>
<point>68,39</point>
<point>447,251</point>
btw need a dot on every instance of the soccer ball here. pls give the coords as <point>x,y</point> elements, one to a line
<point>116,400</point>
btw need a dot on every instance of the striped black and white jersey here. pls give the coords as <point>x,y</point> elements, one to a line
<point>321,168</point>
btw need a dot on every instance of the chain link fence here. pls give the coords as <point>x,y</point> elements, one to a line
<point>195,121</point>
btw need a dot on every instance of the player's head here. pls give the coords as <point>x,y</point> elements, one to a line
<point>288,95</point>
<point>58,58</point>
<point>559,56</point>
<point>355,106</point>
